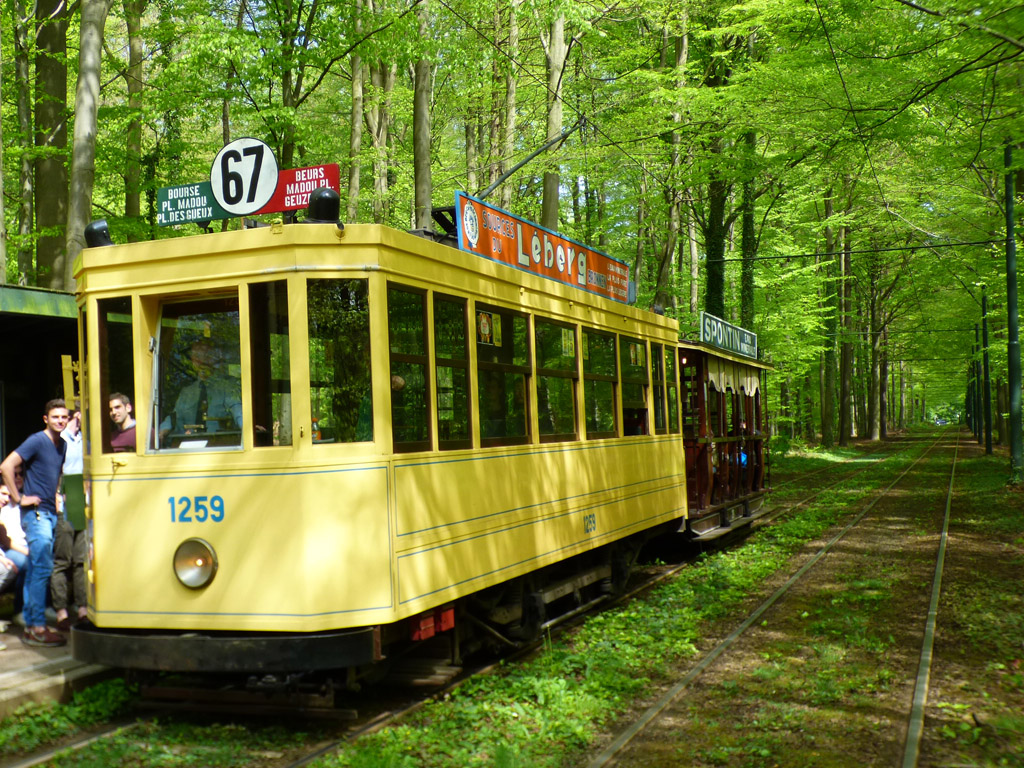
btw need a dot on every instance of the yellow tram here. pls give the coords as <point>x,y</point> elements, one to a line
<point>351,439</point>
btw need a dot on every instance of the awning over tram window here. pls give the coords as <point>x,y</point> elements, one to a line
<point>18,300</point>
<point>725,374</point>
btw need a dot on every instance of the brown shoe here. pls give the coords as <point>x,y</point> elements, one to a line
<point>64,625</point>
<point>43,638</point>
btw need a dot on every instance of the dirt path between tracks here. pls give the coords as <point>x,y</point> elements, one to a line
<point>827,678</point>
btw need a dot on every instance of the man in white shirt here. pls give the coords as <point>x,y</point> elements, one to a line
<point>69,545</point>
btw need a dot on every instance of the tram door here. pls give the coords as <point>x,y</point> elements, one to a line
<point>697,445</point>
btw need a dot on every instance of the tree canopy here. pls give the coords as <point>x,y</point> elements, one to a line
<point>829,172</point>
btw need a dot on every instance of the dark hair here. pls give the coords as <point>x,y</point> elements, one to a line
<point>57,402</point>
<point>125,400</point>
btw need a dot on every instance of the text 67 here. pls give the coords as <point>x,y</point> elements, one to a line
<point>198,509</point>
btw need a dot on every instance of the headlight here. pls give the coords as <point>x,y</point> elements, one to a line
<point>195,563</point>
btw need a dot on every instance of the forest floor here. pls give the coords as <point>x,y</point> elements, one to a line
<point>827,676</point>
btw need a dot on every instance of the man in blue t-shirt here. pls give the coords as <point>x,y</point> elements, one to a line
<point>41,456</point>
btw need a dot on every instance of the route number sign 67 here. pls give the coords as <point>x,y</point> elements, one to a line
<point>244,176</point>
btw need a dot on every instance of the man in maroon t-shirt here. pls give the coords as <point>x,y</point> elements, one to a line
<point>123,436</point>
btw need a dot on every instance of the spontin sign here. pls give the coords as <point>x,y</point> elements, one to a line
<point>498,235</point>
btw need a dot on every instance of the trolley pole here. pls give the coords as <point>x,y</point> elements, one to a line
<point>1012,330</point>
<point>987,391</point>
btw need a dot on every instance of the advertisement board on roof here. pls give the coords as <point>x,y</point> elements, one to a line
<point>495,234</point>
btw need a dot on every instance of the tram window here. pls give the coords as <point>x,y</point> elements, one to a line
<point>451,355</point>
<point>673,390</point>
<point>658,387</point>
<point>116,366</point>
<point>341,399</point>
<point>690,394</point>
<point>408,348</point>
<point>556,380</point>
<point>633,364</point>
<point>503,362</point>
<point>600,376</point>
<point>271,371</point>
<point>715,412</point>
<point>198,390</point>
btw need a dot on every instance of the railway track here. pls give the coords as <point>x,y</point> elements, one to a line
<point>618,751</point>
<point>362,724</point>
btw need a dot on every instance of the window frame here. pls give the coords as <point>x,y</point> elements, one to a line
<point>505,368</point>
<point>643,380</point>
<point>613,378</point>
<point>571,373</point>
<point>446,362</point>
<point>410,446</point>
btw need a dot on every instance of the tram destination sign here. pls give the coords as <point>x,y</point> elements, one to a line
<point>187,203</point>
<point>500,236</point>
<point>731,338</point>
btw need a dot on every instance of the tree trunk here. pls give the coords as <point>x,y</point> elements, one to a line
<point>846,345</point>
<point>51,187</point>
<point>26,175</point>
<point>3,218</point>
<point>903,396</point>
<point>883,391</point>
<point>691,236</point>
<point>422,87</point>
<point>748,239</point>
<point>472,158</point>
<point>378,119</point>
<point>809,430</point>
<point>874,394</point>
<point>355,139</point>
<point>508,125</point>
<point>715,236</point>
<point>83,156</point>
<point>556,52</point>
<point>832,305</point>
<point>133,10</point>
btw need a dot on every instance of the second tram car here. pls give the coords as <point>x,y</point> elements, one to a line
<point>349,440</point>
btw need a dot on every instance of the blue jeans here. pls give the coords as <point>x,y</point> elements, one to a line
<point>38,525</point>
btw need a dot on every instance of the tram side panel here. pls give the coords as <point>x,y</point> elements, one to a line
<point>296,551</point>
<point>468,523</point>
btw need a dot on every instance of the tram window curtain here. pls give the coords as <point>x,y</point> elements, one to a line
<point>451,357</point>
<point>600,378</point>
<point>555,345</point>
<point>116,363</point>
<point>503,372</point>
<point>633,369</point>
<point>271,382</point>
<point>407,342</point>
<point>341,396</point>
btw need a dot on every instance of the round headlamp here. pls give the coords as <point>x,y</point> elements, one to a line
<point>195,563</point>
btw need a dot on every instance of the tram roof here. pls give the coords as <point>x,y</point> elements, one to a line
<point>20,300</point>
<point>731,356</point>
<point>282,249</point>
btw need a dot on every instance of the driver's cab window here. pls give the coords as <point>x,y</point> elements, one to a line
<point>198,397</point>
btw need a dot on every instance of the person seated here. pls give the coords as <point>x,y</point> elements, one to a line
<point>211,403</point>
<point>13,548</point>
<point>123,436</point>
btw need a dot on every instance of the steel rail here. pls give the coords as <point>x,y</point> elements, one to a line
<point>915,729</point>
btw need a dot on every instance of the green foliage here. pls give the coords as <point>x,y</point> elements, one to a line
<point>35,725</point>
